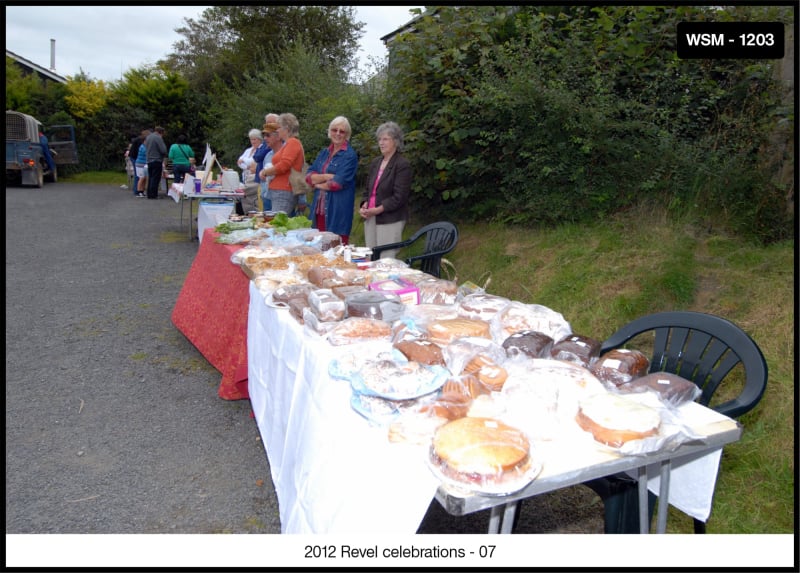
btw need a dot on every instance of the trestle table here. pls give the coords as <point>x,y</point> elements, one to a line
<point>335,472</point>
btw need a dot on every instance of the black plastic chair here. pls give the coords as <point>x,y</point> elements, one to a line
<point>440,239</point>
<point>702,348</point>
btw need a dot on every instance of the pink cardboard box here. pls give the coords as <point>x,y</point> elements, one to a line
<point>406,290</point>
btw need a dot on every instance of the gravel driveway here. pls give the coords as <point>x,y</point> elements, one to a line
<point>113,423</point>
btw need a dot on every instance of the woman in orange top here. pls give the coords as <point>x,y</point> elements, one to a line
<point>289,156</point>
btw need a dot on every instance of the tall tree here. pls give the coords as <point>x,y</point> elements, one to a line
<point>228,42</point>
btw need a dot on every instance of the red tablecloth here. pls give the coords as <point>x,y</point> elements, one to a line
<point>211,311</point>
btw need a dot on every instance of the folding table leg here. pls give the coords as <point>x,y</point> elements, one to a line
<point>663,496</point>
<point>644,517</point>
<point>191,237</point>
<point>495,517</point>
<point>509,510</point>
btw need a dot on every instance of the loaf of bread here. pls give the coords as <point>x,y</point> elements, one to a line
<point>482,306</point>
<point>297,307</point>
<point>671,388</point>
<point>620,366</point>
<point>284,293</point>
<point>422,351</point>
<point>374,304</point>
<point>576,348</point>
<point>480,451</point>
<point>437,291</point>
<point>327,306</point>
<point>614,419</point>
<point>531,343</point>
<point>442,332</point>
<point>343,290</point>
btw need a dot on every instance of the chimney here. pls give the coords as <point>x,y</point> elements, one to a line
<point>52,55</point>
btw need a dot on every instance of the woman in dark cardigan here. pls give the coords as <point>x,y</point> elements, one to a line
<point>384,205</point>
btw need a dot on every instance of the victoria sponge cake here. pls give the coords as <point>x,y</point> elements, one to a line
<point>480,451</point>
<point>613,419</point>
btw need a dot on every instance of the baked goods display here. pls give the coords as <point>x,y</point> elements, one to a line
<point>383,411</point>
<point>297,308</point>
<point>466,385</point>
<point>491,375</point>
<point>577,349</point>
<point>482,306</point>
<point>422,351</point>
<point>671,388</point>
<point>342,291</point>
<point>543,394</point>
<point>482,454</point>
<point>286,292</point>
<point>336,274</point>
<point>443,332</point>
<point>325,305</point>
<point>476,378</point>
<point>449,406</point>
<point>470,354</point>
<point>517,317</point>
<point>532,343</point>
<point>620,366</point>
<point>374,304</point>
<point>434,290</point>
<point>359,329</point>
<point>613,419</point>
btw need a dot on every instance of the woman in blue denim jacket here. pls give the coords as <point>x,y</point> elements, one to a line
<point>333,177</point>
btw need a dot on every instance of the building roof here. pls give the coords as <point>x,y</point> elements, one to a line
<point>408,26</point>
<point>44,72</point>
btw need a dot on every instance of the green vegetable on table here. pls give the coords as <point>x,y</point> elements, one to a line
<point>229,226</point>
<point>282,223</point>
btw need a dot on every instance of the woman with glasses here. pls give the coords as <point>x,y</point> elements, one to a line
<point>290,155</point>
<point>333,177</point>
<point>384,205</point>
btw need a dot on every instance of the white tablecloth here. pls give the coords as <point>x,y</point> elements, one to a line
<point>333,472</point>
<point>210,215</point>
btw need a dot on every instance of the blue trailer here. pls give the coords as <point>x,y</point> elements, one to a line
<point>32,157</point>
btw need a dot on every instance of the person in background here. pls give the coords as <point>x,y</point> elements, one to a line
<point>333,177</point>
<point>133,154</point>
<point>262,157</point>
<point>182,158</point>
<point>48,157</point>
<point>246,160</point>
<point>140,165</point>
<point>290,155</point>
<point>274,143</point>
<point>247,164</point>
<point>384,206</point>
<point>156,152</point>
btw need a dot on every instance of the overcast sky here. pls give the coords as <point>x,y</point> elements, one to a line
<point>106,41</point>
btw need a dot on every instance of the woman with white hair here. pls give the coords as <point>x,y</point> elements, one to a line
<point>333,176</point>
<point>246,163</point>
<point>246,160</point>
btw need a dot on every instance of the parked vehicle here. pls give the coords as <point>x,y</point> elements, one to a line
<point>31,158</point>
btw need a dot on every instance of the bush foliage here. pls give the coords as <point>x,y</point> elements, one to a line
<point>524,115</point>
